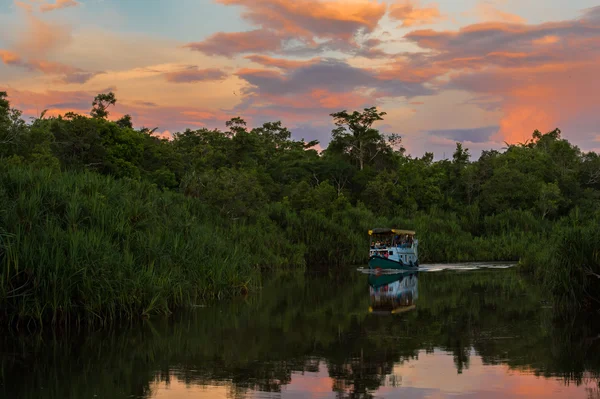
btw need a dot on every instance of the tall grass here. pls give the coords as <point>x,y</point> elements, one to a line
<point>80,246</point>
<point>568,263</point>
<point>446,237</point>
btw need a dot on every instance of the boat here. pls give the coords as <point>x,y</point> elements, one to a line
<point>394,249</point>
<point>393,293</point>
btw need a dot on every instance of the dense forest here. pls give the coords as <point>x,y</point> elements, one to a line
<point>99,219</point>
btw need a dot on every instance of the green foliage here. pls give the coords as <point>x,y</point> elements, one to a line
<point>80,245</point>
<point>318,207</point>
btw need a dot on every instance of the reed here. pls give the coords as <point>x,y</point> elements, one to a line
<point>80,247</point>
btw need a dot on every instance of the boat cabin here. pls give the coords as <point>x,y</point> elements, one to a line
<point>396,245</point>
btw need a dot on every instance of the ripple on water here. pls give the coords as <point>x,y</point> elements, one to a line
<point>438,267</point>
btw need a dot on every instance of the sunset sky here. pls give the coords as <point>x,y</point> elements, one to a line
<point>479,72</point>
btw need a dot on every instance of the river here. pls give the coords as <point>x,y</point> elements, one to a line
<point>461,331</point>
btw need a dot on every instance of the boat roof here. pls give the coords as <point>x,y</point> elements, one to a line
<point>385,230</point>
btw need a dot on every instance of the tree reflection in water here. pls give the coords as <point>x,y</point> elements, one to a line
<point>303,323</point>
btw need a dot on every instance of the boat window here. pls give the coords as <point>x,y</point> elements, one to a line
<point>391,252</point>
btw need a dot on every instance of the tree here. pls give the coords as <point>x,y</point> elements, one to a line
<point>549,199</point>
<point>125,122</point>
<point>12,127</point>
<point>236,126</point>
<point>101,103</point>
<point>355,136</point>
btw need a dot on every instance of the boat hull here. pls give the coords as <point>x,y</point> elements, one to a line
<point>377,262</point>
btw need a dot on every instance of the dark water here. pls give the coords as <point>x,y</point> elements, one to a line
<point>465,333</point>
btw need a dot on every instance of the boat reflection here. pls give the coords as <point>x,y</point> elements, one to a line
<point>393,293</point>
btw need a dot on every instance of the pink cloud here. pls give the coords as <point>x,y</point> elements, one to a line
<point>195,74</point>
<point>229,44</point>
<point>170,118</point>
<point>58,5</point>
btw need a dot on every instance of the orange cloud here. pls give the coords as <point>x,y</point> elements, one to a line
<point>280,62</point>
<point>411,14</point>
<point>541,74</point>
<point>24,6</point>
<point>39,38</point>
<point>194,74</point>
<point>550,39</point>
<point>488,12</point>
<point>309,26</point>
<point>59,4</point>
<point>9,57</point>
<point>69,74</point>
<point>313,18</point>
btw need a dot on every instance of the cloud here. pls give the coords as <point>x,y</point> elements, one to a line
<point>194,74</point>
<point>474,135</point>
<point>24,6</point>
<point>311,92</point>
<point>69,74</point>
<point>146,103</point>
<point>539,75</point>
<point>230,44</point>
<point>58,102</point>
<point>592,14</point>
<point>301,26</point>
<point>328,74</point>
<point>38,38</point>
<point>10,58</point>
<point>280,62</point>
<point>59,4</point>
<point>498,37</point>
<point>326,19</point>
<point>411,14</point>
<point>487,12</point>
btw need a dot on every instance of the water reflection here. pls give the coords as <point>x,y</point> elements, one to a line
<point>471,334</point>
<point>393,293</point>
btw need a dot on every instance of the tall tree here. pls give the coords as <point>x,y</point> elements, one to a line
<point>355,136</point>
<point>101,103</point>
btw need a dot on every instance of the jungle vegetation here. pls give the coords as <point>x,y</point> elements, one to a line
<point>99,219</point>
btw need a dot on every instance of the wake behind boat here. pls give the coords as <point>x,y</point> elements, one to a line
<point>393,249</point>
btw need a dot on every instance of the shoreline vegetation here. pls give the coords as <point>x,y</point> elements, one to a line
<point>100,221</point>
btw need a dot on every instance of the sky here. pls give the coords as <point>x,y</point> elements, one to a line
<point>429,376</point>
<point>480,72</point>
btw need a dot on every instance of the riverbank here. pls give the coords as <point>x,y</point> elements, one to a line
<point>86,248</point>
